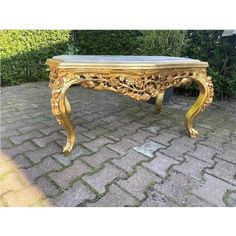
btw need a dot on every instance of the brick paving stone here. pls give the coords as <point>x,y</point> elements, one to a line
<point>47,187</point>
<point>21,161</point>
<point>9,133</point>
<point>28,136</point>
<point>134,126</point>
<point>228,155</point>
<point>186,141</point>
<point>96,132</point>
<point>149,119</point>
<point>35,120</point>
<point>12,126</point>
<point>29,112</point>
<point>93,124</point>
<point>129,161</point>
<point>214,142</point>
<point>34,126</point>
<point>47,165</point>
<point>101,179</point>
<point>117,134</point>
<point>11,120</point>
<point>213,190</point>
<point>122,146</point>
<point>160,164</point>
<point>140,136</point>
<point>26,146</point>
<point>37,155</point>
<point>74,196</point>
<point>224,170</point>
<point>148,148</point>
<point>109,118</point>
<point>177,151</point>
<point>96,144</point>
<point>51,129</point>
<point>164,137</point>
<point>221,132</point>
<point>231,199</point>
<point>64,177</point>
<point>115,197</point>
<point>153,128</point>
<point>156,199</point>
<point>93,116</point>
<point>101,156</point>
<point>6,144</point>
<point>204,153</point>
<point>192,167</point>
<point>42,142</point>
<point>138,183</point>
<point>116,124</point>
<point>78,151</point>
<point>80,129</point>
<point>178,188</point>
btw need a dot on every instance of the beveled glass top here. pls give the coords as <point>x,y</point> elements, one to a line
<point>71,61</point>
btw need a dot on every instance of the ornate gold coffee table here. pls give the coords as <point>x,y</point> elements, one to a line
<point>139,77</point>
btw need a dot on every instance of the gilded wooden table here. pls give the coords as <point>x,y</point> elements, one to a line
<point>140,77</point>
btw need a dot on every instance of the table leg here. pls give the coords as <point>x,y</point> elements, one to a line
<point>205,97</point>
<point>61,109</point>
<point>159,100</point>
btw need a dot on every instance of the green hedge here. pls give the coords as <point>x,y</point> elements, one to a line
<point>24,52</point>
<point>220,53</point>
<point>162,42</point>
<point>105,42</point>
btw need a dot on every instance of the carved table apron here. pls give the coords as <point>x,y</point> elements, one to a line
<point>139,77</point>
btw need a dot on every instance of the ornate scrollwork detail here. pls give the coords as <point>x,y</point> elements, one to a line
<point>210,92</point>
<point>137,85</point>
<point>56,84</point>
<point>56,80</point>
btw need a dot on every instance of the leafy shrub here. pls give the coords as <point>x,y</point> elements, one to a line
<point>220,53</point>
<point>105,42</point>
<point>24,52</point>
<point>162,42</point>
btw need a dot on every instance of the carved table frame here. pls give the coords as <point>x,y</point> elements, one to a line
<point>137,81</point>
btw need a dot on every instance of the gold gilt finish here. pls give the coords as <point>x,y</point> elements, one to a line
<point>140,84</point>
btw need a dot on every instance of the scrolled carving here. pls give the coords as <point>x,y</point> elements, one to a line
<point>56,84</point>
<point>210,92</point>
<point>137,85</point>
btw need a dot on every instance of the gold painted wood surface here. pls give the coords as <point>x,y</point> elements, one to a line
<point>137,77</point>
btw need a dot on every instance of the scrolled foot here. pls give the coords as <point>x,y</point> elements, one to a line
<point>193,133</point>
<point>67,148</point>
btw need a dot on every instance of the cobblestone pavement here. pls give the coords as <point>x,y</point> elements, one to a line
<point>125,155</point>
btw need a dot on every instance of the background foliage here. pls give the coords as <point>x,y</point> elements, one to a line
<point>162,42</point>
<point>106,42</point>
<point>220,53</point>
<point>24,52</point>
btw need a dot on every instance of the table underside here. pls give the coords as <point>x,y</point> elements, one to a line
<point>139,83</point>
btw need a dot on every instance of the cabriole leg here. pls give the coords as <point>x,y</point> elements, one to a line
<point>159,100</point>
<point>205,97</point>
<point>61,109</point>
